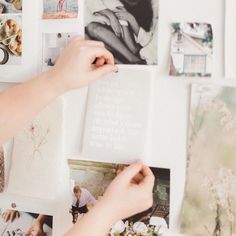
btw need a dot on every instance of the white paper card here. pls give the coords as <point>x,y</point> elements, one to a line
<point>36,155</point>
<point>117,117</point>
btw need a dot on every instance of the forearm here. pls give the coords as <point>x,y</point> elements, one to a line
<point>97,221</point>
<point>134,25</point>
<point>20,104</point>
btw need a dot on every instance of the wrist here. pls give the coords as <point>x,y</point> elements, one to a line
<point>108,211</point>
<point>53,83</point>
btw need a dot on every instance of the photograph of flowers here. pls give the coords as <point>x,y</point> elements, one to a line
<point>17,223</point>
<point>60,9</point>
<point>121,25</point>
<point>90,180</point>
<point>210,200</point>
<point>191,49</point>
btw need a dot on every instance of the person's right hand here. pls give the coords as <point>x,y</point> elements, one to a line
<point>131,192</point>
<point>75,68</point>
<point>10,215</point>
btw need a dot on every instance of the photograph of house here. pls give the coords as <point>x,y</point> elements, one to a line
<point>191,50</point>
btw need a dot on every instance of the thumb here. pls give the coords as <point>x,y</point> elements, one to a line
<point>28,232</point>
<point>131,171</point>
<point>103,71</point>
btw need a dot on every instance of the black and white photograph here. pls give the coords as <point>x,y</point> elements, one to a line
<point>11,6</point>
<point>90,180</point>
<point>128,28</point>
<point>18,223</point>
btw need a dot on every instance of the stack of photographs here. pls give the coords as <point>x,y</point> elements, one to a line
<point>10,32</point>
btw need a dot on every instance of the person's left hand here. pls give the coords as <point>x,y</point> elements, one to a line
<point>36,229</point>
<point>123,14</point>
<point>10,215</point>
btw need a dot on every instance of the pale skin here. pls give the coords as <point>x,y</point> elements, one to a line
<point>131,191</point>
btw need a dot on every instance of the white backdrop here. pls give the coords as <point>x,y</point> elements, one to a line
<point>170,98</point>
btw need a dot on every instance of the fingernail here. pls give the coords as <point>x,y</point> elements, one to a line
<point>117,70</point>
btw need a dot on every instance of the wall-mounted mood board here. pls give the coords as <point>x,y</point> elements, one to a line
<point>177,43</point>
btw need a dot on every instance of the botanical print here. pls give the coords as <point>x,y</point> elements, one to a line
<point>16,223</point>
<point>10,40</point>
<point>38,135</point>
<point>210,201</point>
<point>128,28</point>
<point>90,180</point>
<point>10,6</point>
<point>2,170</point>
<point>60,9</point>
<point>36,155</point>
<point>191,49</point>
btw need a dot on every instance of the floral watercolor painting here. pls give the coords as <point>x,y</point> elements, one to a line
<point>210,202</point>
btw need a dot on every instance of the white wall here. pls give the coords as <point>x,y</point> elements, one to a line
<point>167,141</point>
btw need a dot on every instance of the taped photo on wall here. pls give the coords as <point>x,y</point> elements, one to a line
<point>11,6</point>
<point>128,28</point>
<point>89,182</point>
<point>10,40</point>
<point>60,9</point>
<point>191,50</point>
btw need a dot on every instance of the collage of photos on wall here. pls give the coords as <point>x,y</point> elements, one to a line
<point>89,182</point>
<point>10,32</point>
<point>18,223</point>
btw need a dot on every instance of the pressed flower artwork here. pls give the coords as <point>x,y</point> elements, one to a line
<point>210,201</point>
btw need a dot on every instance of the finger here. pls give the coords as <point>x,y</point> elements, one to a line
<point>94,43</point>
<point>8,216</point>
<point>77,38</point>
<point>28,232</point>
<point>12,217</point>
<point>137,178</point>
<point>103,71</point>
<point>100,62</point>
<point>149,178</point>
<point>97,52</point>
<point>18,214</point>
<point>4,216</point>
<point>131,171</point>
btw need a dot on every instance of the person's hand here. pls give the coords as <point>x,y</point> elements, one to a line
<point>80,64</point>
<point>36,229</point>
<point>114,22</point>
<point>10,215</point>
<point>131,192</point>
<point>123,14</point>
